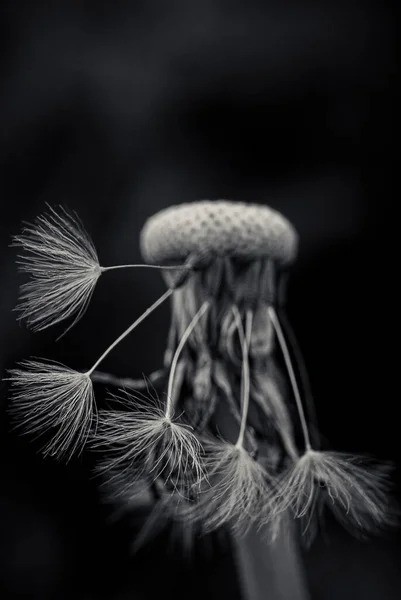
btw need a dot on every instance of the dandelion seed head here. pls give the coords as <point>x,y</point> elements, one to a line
<point>220,228</point>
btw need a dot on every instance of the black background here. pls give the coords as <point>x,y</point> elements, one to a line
<point>118,109</point>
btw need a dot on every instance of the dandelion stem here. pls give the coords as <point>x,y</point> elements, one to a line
<point>147,312</point>
<point>287,359</point>
<point>205,306</point>
<point>245,387</point>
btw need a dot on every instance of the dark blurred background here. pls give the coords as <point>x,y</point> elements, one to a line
<point>118,109</point>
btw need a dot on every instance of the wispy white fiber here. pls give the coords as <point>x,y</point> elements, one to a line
<point>51,399</point>
<point>63,266</point>
<point>145,440</point>
<point>352,489</point>
<point>239,493</point>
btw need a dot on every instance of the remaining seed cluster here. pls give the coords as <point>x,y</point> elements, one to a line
<point>212,433</point>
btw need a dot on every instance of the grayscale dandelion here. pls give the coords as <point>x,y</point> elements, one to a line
<point>214,432</point>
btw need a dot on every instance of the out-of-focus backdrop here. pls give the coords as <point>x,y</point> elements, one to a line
<point>118,109</point>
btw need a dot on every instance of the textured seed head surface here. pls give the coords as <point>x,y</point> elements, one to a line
<point>221,228</point>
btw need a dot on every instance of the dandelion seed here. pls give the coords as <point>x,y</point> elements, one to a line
<point>354,491</point>
<point>49,398</point>
<point>64,268</point>
<point>63,265</point>
<point>144,441</point>
<point>148,439</point>
<point>239,494</point>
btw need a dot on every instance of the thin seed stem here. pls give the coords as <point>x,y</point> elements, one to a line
<point>169,407</point>
<point>147,312</point>
<point>287,359</point>
<point>306,387</point>
<point>245,387</point>
<point>166,267</point>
